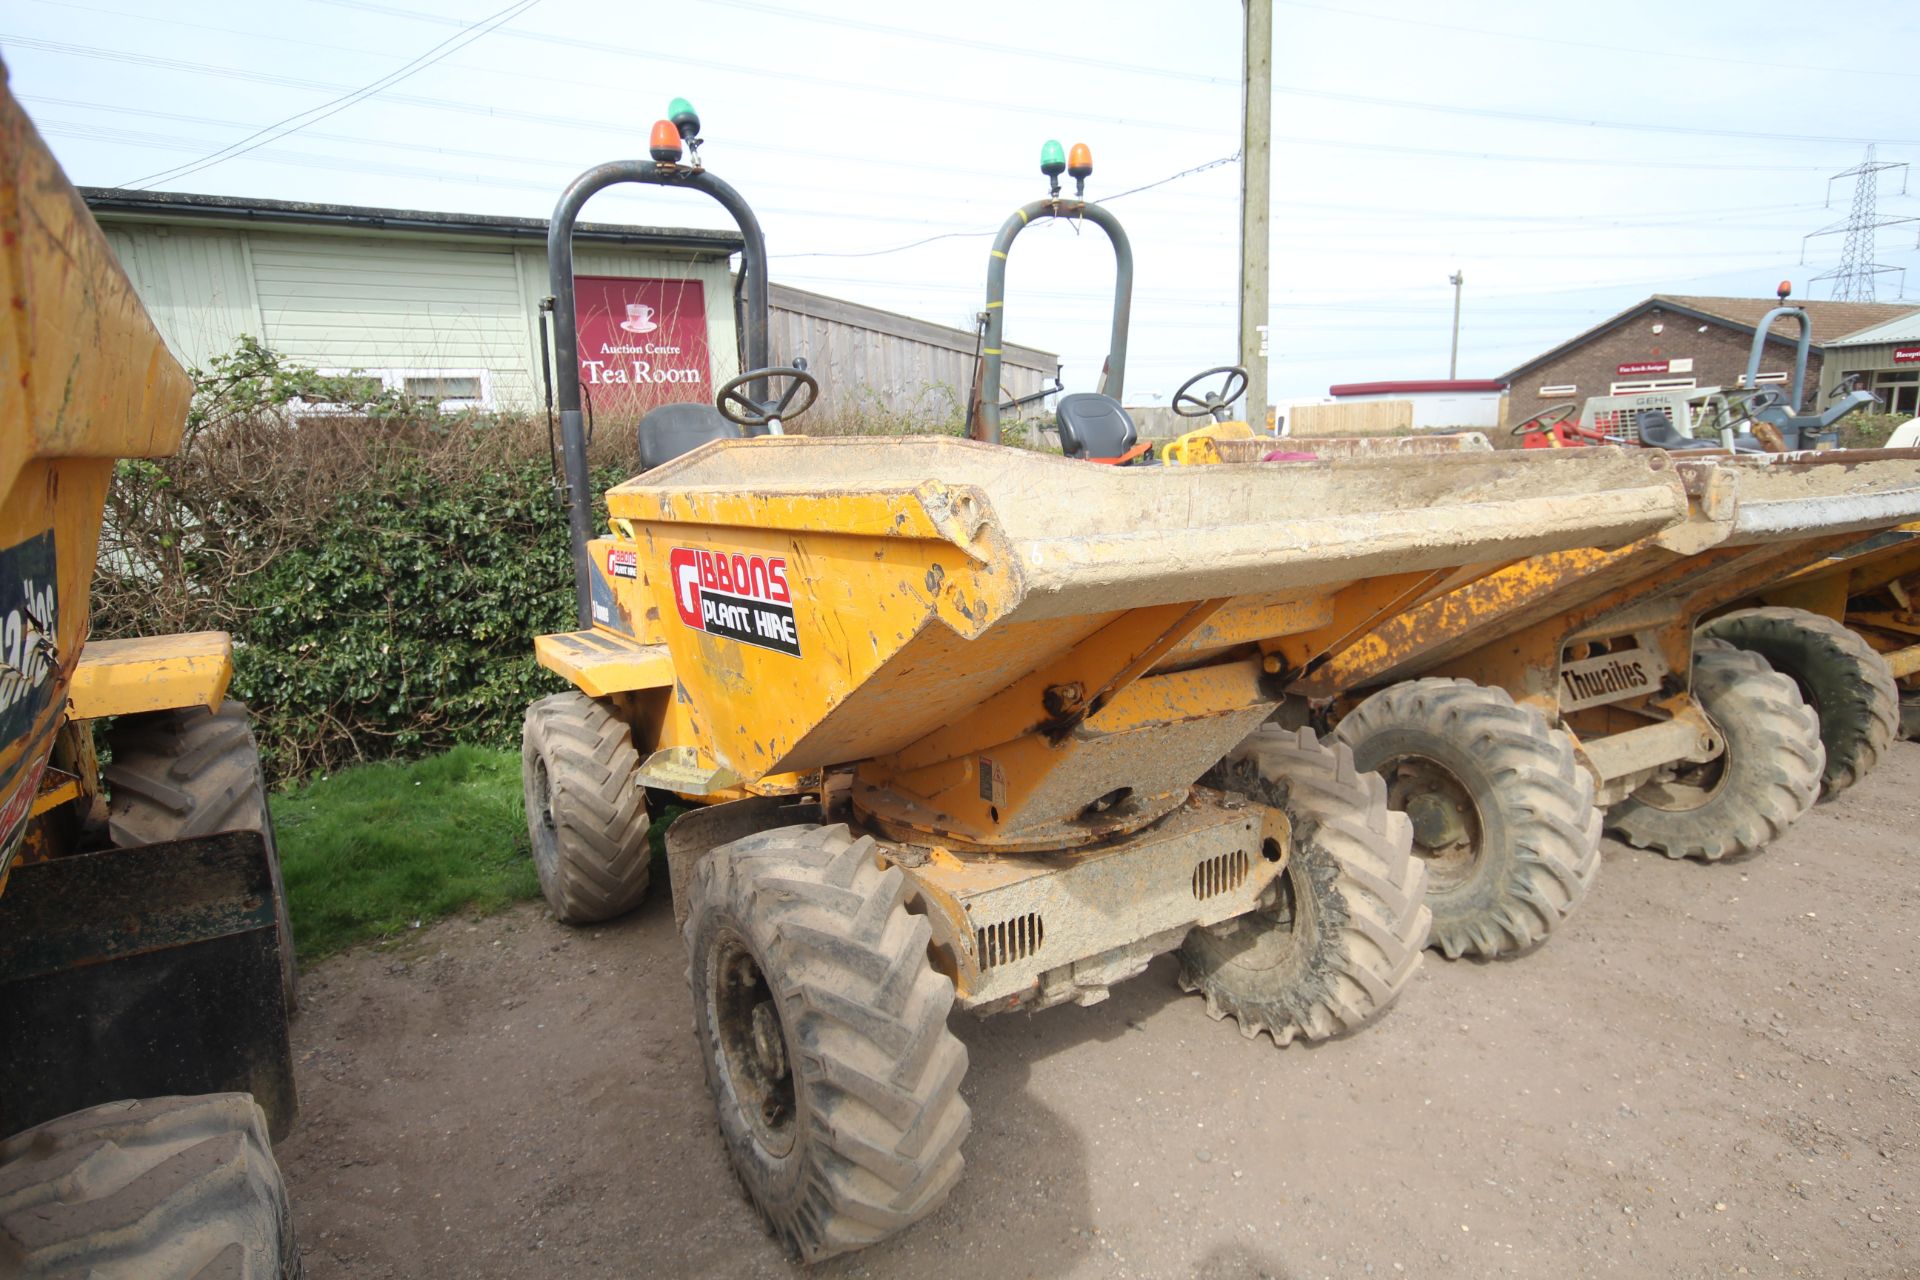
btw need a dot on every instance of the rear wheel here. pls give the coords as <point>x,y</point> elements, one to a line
<point>192,772</point>
<point>1342,937</point>
<point>145,1190</point>
<point>1745,798</point>
<point>1839,675</point>
<point>1502,811</point>
<point>586,811</point>
<point>823,1030</point>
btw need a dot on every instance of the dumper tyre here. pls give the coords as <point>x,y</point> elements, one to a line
<point>1346,929</point>
<point>587,814</point>
<point>1503,813</point>
<point>188,772</point>
<point>1846,682</point>
<point>822,1028</point>
<point>151,1189</point>
<point>1768,775</point>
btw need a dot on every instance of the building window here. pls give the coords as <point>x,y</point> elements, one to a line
<point>1654,384</point>
<point>463,389</point>
<point>450,389</point>
<point>1565,389</point>
<point>1772,379</point>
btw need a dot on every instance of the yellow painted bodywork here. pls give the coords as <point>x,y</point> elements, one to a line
<point>601,665</point>
<point>88,381</point>
<point>151,673</point>
<point>1198,446</point>
<point>1015,653</point>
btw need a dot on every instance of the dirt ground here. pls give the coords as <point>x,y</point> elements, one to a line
<point>1712,1071</point>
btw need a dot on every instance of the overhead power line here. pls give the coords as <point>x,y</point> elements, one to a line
<point>1637,52</point>
<point>957,235</point>
<point>313,115</point>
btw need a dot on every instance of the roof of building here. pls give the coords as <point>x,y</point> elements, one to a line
<point>177,206</point>
<point>1455,386</point>
<point>1830,321</point>
<point>1904,328</point>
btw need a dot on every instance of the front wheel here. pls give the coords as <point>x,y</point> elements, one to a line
<point>1848,685</point>
<point>1502,812</point>
<point>586,810</point>
<point>823,1031</point>
<point>1343,936</point>
<point>1767,775</point>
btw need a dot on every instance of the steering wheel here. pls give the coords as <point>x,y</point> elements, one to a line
<point>736,407</point>
<point>1847,386</point>
<point>1759,400</point>
<point>1547,419</point>
<point>1214,403</point>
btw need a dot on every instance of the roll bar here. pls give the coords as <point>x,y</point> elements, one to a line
<point>1799,360</point>
<point>566,335</point>
<point>986,424</point>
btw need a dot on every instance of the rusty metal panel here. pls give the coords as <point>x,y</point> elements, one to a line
<point>141,972</point>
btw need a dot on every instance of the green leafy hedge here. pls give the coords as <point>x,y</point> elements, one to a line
<point>383,568</point>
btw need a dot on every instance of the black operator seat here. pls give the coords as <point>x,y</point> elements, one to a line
<point>673,429</point>
<point>1656,431</point>
<point>1093,426</point>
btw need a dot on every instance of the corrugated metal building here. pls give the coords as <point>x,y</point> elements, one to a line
<point>447,306</point>
<point>1884,360</point>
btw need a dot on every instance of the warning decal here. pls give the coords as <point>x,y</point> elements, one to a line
<point>739,597</point>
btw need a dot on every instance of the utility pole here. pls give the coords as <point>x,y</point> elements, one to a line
<point>1457,279</point>
<point>1256,177</point>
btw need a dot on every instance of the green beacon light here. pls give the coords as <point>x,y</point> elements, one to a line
<point>1053,162</point>
<point>684,117</point>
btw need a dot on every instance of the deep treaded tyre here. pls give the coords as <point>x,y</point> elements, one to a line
<point>1766,778</point>
<point>586,813</point>
<point>192,772</point>
<point>1346,934</point>
<point>1848,685</point>
<point>1502,811</point>
<point>823,1030</point>
<point>155,1189</point>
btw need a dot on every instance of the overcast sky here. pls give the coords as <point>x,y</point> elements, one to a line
<point>1570,159</point>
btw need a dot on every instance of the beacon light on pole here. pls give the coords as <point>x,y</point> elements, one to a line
<point>664,143</point>
<point>1080,165</point>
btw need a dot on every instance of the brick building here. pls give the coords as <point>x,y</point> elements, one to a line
<point>1672,342</point>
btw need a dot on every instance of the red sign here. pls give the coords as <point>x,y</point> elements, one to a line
<point>1643,366</point>
<point>643,343</point>
<point>1906,355</point>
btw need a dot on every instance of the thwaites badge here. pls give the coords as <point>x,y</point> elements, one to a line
<point>1609,677</point>
<point>735,596</point>
<point>993,780</point>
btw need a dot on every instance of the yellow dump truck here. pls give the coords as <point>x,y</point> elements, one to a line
<point>1500,711</point>
<point>978,727</point>
<point>1847,631</point>
<point>145,968</point>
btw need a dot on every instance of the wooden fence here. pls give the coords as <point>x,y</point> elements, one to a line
<point>880,371</point>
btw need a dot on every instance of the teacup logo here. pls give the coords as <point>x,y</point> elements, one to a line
<point>639,318</point>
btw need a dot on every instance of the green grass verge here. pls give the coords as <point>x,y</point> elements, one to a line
<point>376,847</point>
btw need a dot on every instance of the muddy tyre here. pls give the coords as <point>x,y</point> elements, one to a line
<point>586,811</point>
<point>147,1190</point>
<point>1759,786</point>
<point>1502,812</point>
<point>823,1031</point>
<point>192,772</point>
<point>1344,936</point>
<point>1839,675</point>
